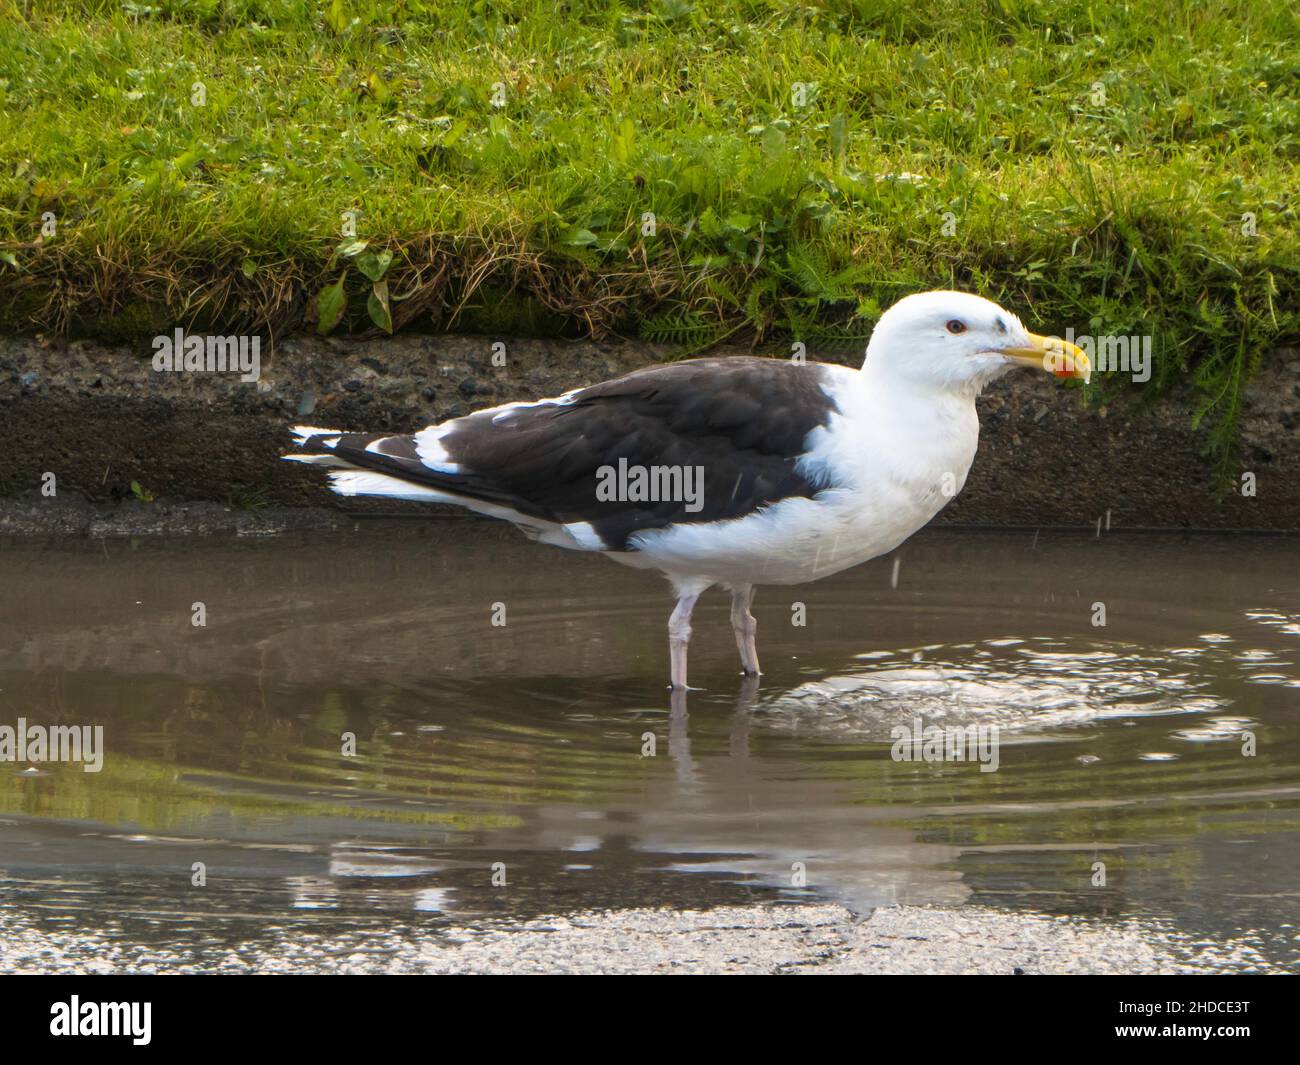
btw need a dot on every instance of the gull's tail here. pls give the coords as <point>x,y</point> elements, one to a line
<point>381,464</point>
<point>352,456</point>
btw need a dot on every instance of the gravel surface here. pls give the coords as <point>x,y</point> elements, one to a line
<point>743,939</point>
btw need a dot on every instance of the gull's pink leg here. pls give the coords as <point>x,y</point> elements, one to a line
<point>679,636</point>
<point>742,597</point>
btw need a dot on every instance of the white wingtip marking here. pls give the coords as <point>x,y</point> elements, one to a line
<point>428,445</point>
<point>303,433</point>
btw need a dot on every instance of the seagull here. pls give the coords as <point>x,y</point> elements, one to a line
<point>734,471</point>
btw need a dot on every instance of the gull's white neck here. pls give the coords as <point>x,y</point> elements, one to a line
<point>895,432</point>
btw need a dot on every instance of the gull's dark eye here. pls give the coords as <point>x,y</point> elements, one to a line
<point>955,327</point>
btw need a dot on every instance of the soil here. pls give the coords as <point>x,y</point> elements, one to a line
<point>100,418</point>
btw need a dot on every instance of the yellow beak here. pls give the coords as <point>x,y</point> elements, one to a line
<point>1056,356</point>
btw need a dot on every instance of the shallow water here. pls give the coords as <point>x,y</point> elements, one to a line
<point>523,743</point>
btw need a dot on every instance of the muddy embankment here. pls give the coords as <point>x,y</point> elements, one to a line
<point>206,446</point>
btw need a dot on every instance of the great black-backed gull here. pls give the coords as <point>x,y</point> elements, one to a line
<point>734,471</point>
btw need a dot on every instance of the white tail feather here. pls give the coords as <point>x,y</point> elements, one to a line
<point>319,460</point>
<point>350,481</point>
<point>366,483</point>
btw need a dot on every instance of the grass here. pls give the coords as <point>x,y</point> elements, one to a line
<point>1089,165</point>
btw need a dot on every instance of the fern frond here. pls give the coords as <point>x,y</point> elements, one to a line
<point>690,330</point>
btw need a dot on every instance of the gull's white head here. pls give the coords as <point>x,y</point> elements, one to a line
<point>957,342</point>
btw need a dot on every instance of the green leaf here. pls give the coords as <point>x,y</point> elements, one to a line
<point>710,226</point>
<point>356,174</point>
<point>853,186</point>
<point>374,266</point>
<point>839,131</point>
<point>773,143</point>
<point>377,306</point>
<point>455,133</point>
<point>330,305</point>
<point>674,10</point>
<point>141,493</point>
<point>868,308</point>
<point>187,161</point>
<point>350,249</point>
<point>378,88</point>
<point>621,142</point>
<point>577,237</point>
<point>337,17</point>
